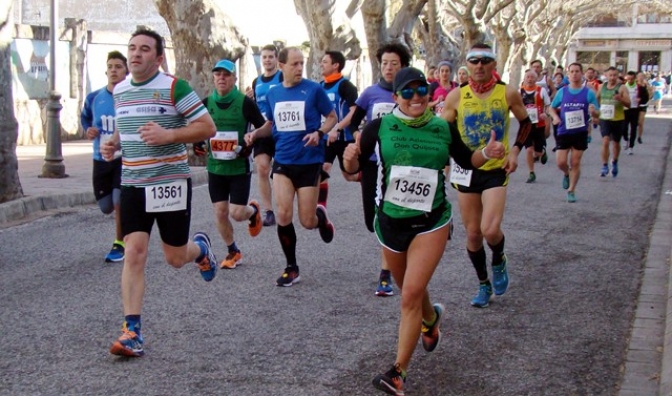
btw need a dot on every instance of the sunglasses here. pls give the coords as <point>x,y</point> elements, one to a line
<point>407,93</point>
<point>482,61</point>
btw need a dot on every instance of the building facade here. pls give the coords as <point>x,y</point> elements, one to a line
<point>641,41</point>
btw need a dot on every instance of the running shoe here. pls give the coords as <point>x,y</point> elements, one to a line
<point>129,344</point>
<point>431,335</point>
<point>483,297</point>
<point>639,140</point>
<point>544,158</point>
<point>590,137</point>
<point>232,260</point>
<point>384,288</point>
<point>605,170</point>
<point>500,277</point>
<point>614,169</point>
<point>630,151</point>
<point>208,265</point>
<point>116,254</point>
<point>565,182</point>
<point>325,226</point>
<point>269,218</point>
<point>532,178</point>
<point>571,198</point>
<point>391,382</point>
<point>255,222</point>
<point>289,277</point>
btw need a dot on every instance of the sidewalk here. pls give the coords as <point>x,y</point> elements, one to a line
<point>45,195</point>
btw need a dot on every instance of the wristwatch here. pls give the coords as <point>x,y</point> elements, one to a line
<point>320,133</point>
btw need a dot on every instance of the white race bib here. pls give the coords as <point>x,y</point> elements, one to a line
<point>381,109</point>
<point>459,175</point>
<point>533,113</point>
<point>168,197</point>
<point>290,116</point>
<point>607,111</point>
<point>412,187</point>
<point>574,119</point>
<point>223,145</point>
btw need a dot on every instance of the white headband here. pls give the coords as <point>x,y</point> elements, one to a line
<point>481,53</point>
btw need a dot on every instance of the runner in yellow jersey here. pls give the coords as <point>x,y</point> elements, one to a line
<point>480,106</point>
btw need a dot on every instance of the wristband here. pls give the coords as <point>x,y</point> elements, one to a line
<point>484,155</point>
<point>320,133</point>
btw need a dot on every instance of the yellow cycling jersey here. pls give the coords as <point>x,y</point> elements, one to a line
<point>477,117</point>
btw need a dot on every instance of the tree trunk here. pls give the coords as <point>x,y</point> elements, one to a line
<point>10,185</point>
<point>328,30</point>
<point>375,27</point>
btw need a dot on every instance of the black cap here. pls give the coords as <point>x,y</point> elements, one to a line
<point>406,76</point>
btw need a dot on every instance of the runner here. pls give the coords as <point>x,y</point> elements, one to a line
<point>156,115</point>
<point>264,149</point>
<point>229,173</point>
<point>545,82</point>
<point>97,119</point>
<point>446,84</point>
<point>375,102</point>
<point>477,109</point>
<point>462,75</point>
<point>412,215</point>
<point>536,101</point>
<point>632,112</point>
<point>613,98</point>
<point>296,107</point>
<point>343,95</point>
<point>576,103</point>
<point>658,85</point>
<point>644,93</point>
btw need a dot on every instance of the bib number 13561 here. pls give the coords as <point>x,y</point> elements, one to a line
<point>169,197</point>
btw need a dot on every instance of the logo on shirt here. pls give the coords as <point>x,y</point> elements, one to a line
<point>467,96</point>
<point>156,95</point>
<point>395,127</point>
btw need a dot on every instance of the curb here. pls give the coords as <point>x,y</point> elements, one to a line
<point>22,208</point>
<point>648,362</point>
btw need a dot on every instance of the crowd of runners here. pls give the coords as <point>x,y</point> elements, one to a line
<point>404,140</point>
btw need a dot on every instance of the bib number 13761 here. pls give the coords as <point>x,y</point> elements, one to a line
<point>169,197</point>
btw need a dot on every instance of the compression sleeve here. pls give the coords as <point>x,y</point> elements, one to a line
<point>523,133</point>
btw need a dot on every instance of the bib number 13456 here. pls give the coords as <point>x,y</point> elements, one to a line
<point>169,197</point>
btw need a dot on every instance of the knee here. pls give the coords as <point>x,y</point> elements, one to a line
<point>308,222</point>
<point>283,216</point>
<point>221,213</point>
<point>411,298</point>
<point>237,212</point>
<point>106,205</point>
<point>176,260</point>
<point>135,257</point>
<point>576,163</point>
<point>264,169</point>
<point>562,163</point>
<point>492,233</point>
<point>474,236</point>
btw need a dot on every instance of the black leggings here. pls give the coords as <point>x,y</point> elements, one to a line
<point>369,180</point>
<point>631,122</point>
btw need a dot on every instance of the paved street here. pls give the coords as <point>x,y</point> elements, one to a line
<point>563,328</point>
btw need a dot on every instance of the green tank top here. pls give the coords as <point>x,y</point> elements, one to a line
<point>413,160</point>
<point>231,128</point>
<point>610,108</point>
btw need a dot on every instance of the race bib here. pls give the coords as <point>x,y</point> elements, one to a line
<point>289,116</point>
<point>381,109</point>
<point>223,145</point>
<point>459,175</point>
<point>574,119</point>
<point>412,187</point>
<point>607,111</point>
<point>533,113</point>
<point>168,197</point>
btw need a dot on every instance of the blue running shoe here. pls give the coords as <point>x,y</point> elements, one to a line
<point>614,169</point>
<point>129,344</point>
<point>116,254</point>
<point>384,288</point>
<point>483,297</point>
<point>500,277</point>
<point>565,182</point>
<point>431,335</point>
<point>571,198</point>
<point>605,171</point>
<point>208,265</point>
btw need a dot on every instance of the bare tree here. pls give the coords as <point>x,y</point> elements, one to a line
<point>474,15</point>
<point>437,43</point>
<point>10,185</point>
<point>202,34</point>
<point>329,29</point>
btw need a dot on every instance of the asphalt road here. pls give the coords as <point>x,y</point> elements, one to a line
<point>561,329</point>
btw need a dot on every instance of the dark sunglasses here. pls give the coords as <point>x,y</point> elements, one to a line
<point>482,61</point>
<point>407,93</point>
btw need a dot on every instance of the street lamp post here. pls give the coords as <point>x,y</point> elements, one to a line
<point>53,161</point>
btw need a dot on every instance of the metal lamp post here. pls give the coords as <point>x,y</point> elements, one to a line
<point>53,166</point>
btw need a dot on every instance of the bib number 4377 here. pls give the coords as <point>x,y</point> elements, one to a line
<point>169,197</point>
